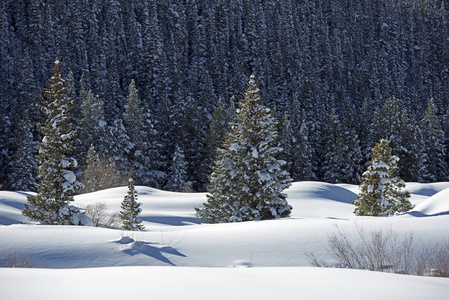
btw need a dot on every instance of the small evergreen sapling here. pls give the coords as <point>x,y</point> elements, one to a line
<point>381,192</point>
<point>131,209</point>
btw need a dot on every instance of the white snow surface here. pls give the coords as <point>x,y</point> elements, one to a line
<point>179,257</point>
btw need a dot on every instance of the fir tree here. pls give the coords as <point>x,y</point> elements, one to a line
<point>92,127</point>
<point>381,192</point>
<point>247,179</point>
<point>131,209</point>
<point>57,182</point>
<point>177,173</point>
<point>433,167</point>
<point>218,127</point>
<point>141,132</point>
<point>23,166</point>
<point>100,174</point>
<point>93,169</point>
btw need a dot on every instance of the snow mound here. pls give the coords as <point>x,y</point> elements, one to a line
<point>320,190</point>
<point>426,189</point>
<point>437,204</point>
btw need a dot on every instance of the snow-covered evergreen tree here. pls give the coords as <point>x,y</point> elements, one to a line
<point>177,172</point>
<point>93,170</point>
<point>100,174</point>
<point>218,127</point>
<point>433,167</point>
<point>381,191</point>
<point>92,127</point>
<point>247,179</point>
<point>23,166</point>
<point>131,209</point>
<point>142,134</point>
<point>57,182</point>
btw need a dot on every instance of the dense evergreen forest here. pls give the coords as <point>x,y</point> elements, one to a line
<point>156,84</point>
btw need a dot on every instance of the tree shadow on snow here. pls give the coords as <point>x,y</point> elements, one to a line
<point>171,220</point>
<point>419,214</point>
<point>335,193</point>
<point>145,248</point>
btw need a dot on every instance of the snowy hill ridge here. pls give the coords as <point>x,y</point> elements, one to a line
<point>174,237</point>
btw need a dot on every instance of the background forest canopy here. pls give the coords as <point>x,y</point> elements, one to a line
<point>153,82</point>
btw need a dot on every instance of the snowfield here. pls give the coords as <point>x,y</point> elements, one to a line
<point>179,257</point>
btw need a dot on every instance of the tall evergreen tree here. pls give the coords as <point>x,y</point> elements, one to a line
<point>381,191</point>
<point>100,174</point>
<point>247,179</point>
<point>5,137</point>
<point>92,127</point>
<point>333,164</point>
<point>91,176</point>
<point>131,210</point>
<point>218,127</point>
<point>433,167</point>
<point>23,166</point>
<point>57,182</point>
<point>134,121</point>
<point>177,173</point>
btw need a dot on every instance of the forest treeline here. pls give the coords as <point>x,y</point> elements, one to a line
<point>156,84</point>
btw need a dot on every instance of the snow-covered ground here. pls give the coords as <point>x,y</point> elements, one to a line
<point>178,257</point>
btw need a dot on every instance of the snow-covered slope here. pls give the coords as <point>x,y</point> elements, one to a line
<point>106,263</point>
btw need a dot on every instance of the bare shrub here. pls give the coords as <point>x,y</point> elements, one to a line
<point>113,221</point>
<point>98,213</point>
<point>16,261</point>
<point>384,250</point>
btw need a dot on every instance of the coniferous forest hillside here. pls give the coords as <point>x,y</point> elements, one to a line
<point>157,82</point>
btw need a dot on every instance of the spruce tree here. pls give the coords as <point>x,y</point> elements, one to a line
<point>139,127</point>
<point>381,192</point>
<point>131,209</point>
<point>91,175</point>
<point>433,167</point>
<point>57,182</point>
<point>23,166</point>
<point>177,173</point>
<point>247,179</point>
<point>100,174</point>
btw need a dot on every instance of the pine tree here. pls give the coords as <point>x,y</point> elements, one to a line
<point>140,135</point>
<point>302,160</point>
<point>380,190</point>
<point>57,182</point>
<point>247,179</point>
<point>92,127</point>
<point>177,173</point>
<point>23,166</point>
<point>93,170</point>
<point>100,174</point>
<point>333,163</point>
<point>218,127</point>
<point>131,209</point>
<point>433,167</point>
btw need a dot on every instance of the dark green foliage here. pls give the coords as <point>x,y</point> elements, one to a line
<point>177,173</point>
<point>381,191</point>
<point>433,166</point>
<point>247,179</point>
<point>131,209</point>
<point>350,56</point>
<point>23,166</point>
<point>57,182</point>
